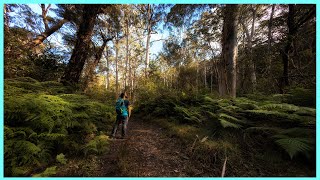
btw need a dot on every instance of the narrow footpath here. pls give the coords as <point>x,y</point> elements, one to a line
<point>146,152</point>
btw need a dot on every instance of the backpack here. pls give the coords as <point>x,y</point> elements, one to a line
<point>119,105</point>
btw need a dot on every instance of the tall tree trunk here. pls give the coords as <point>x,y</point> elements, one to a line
<point>148,40</point>
<point>227,69</point>
<point>285,54</point>
<point>6,17</point>
<point>253,76</point>
<point>108,69</point>
<point>80,51</point>
<point>117,78</point>
<point>127,53</point>
<point>252,71</point>
<point>270,38</point>
<point>270,28</point>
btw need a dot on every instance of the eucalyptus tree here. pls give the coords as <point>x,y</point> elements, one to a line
<point>151,15</point>
<point>227,67</point>
<point>82,44</point>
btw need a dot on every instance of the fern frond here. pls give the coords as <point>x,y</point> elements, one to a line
<point>51,136</point>
<point>61,158</point>
<point>19,171</point>
<point>226,124</point>
<point>305,111</point>
<point>272,130</point>
<point>48,172</point>
<point>280,107</point>
<point>293,146</point>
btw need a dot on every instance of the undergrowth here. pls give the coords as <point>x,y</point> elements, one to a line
<point>44,122</point>
<point>261,132</point>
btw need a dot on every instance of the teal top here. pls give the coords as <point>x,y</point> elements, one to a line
<point>121,103</point>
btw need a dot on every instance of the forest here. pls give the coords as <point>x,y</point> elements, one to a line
<point>216,90</point>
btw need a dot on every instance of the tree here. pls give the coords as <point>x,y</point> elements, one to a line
<point>79,54</point>
<point>227,78</point>
<point>294,23</point>
<point>68,12</point>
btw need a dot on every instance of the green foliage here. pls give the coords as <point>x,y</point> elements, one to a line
<point>61,158</point>
<point>265,123</point>
<point>22,60</point>
<point>229,121</point>
<point>302,97</point>
<point>280,107</point>
<point>293,146</point>
<point>96,146</point>
<point>50,171</point>
<point>39,125</point>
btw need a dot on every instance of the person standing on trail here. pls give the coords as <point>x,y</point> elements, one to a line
<point>122,116</point>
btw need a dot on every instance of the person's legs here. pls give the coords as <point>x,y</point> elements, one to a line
<point>124,126</point>
<point>115,126</point>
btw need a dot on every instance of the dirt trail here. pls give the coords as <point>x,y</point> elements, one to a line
<point>146,152</point>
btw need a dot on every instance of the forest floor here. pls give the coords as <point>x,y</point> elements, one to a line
<point>150,151</point>
<point>147,152</point>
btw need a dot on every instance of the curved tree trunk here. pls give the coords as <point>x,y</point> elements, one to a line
<point>80,51</point>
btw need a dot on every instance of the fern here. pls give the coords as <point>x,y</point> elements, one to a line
<point>226,124</point>
<point>296,140</point>
<point>96,146</point>
<point>50,171</point>
<point>272,130</point>
<point>280,107</point>
<point>226,121</point>
<point>293,146</point>
<point>19,171</point>
<point>305,111</point>
<point>61,158</point>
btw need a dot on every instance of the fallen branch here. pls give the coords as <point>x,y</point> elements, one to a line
<point>224,167</point>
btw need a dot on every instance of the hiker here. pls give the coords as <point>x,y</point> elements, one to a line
<point>122,116</point>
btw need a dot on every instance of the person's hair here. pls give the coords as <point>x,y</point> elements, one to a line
<point>121,95</point>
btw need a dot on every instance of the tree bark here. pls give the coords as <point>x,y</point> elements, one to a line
<point>80,51</point>
<point>108,69</point>
<point>148,40</point>
<point>6,17</point>
<point>270,39</point>
<point>117,78</point>
<point>227,69</point>
<point>127,53</point>
<point>44,15</point>
<point>252,71</point>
